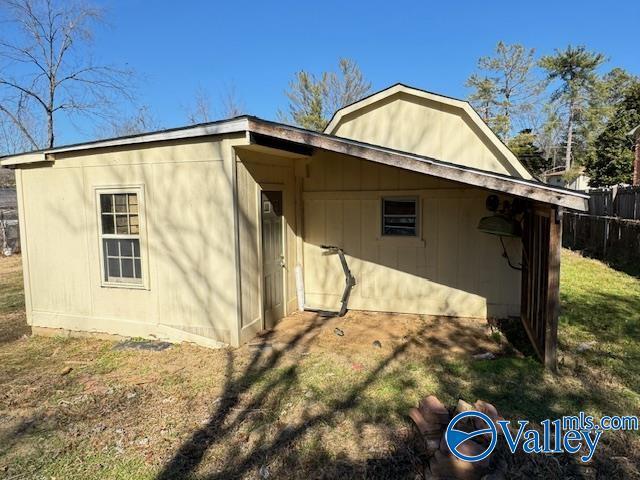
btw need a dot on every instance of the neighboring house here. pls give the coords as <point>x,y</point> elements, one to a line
<point>9,233</point>
<point>200,233</point>
<point>557,178</point>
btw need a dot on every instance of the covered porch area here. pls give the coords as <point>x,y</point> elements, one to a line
<point>332,191</point>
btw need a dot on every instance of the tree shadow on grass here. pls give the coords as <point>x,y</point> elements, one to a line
<point>519,387</point>
<point>267,385</point>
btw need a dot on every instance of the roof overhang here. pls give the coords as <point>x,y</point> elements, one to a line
<point>252,126</point>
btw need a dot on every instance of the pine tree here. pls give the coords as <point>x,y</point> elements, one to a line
<point>484,97</point>
<point>613,159</point>
<point>608,92</point>
<point>524,146</point>
<point>313,100</point>
<point>506,88</point>
<point>575,68</point>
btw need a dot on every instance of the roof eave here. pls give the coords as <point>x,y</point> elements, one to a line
<point>426,165</point>
<point>234,125</point>
<point>429,166</point>
<point>25,158</point>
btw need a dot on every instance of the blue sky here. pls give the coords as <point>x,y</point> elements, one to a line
<point>178,47</point>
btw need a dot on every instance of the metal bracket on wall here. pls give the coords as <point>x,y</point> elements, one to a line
<point>350,281</point>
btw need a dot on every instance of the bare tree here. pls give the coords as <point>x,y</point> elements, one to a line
<point>141,121</point>
<point>202,111</point>
<point>230,102</point>
<point>18,128</point>
<point>47,67</point>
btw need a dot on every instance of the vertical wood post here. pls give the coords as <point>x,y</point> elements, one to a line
<point>553,290</point>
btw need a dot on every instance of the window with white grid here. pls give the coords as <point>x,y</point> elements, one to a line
<point>400,216</point>
<point>120,236</point>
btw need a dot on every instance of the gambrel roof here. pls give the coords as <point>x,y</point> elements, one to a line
<point>413,120</point>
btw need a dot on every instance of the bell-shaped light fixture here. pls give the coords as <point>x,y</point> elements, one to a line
<point>499,225</point>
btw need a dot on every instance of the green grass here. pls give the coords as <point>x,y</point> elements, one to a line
<point>11,287</point>
<point>344,403</point>
<point>602,305</point>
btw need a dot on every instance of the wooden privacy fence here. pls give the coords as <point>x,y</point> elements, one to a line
<point>622,202</point>
<point>614,240</point>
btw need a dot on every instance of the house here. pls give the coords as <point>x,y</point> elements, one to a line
<point>213,232</point>
<point>9,235</point>
<point>558,178</point>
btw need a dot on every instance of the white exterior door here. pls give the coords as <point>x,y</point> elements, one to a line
<point>273,261</point>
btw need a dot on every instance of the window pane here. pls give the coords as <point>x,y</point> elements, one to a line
<point>120,200</point>
<point>399,207</point>
<point>400,221</point>
<point>107,224</point>
<point>136,247</point>
<point>127,268</point>
<point>126,248</point>
<point>133,199</point>
<point>138,268</point>
<point>401,230</point>
<point>106,203</point>
<point>399,217</point>
<point>122,224</point>
<point>111,248</point>
<point>113,267</point>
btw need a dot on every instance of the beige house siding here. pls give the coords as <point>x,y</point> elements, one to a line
<point>188,245</point>
<point>427,125</point>
<point>201,240</point>
<point>451,269</point>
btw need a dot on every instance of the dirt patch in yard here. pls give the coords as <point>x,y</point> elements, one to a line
<point>356,333</point>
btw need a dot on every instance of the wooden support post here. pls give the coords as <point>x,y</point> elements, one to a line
<point>553,290</point>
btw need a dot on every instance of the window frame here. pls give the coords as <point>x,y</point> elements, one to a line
<point>402,198</point>
<point>143,282</point>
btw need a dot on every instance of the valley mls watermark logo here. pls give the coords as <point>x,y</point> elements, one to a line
<point>456,438</point>
<point>570,434</point>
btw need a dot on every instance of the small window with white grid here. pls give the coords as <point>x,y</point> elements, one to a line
<point>400,216</point>
<point>120,236</point>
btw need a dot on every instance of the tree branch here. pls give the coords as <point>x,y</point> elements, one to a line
<point>16,121</point>
<point>26,91</point>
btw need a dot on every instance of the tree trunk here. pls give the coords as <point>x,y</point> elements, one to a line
<point>52,93</point>
<point>567,157</point>
<point>50,138</point>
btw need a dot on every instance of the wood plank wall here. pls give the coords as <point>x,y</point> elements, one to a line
<point>541,281</point>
